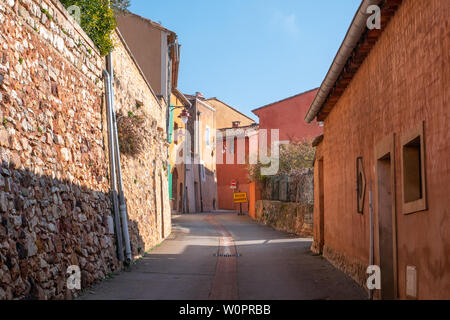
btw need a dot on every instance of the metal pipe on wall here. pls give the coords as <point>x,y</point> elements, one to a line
<point>371,237</point>
<point>112,167</point>
<point>122,201</point>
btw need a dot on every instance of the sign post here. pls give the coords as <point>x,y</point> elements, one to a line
<point>240,198</point>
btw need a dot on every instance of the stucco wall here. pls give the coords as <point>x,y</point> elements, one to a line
<point>148,53</point>
<point>226,115</point>
<point>228,172</point>
<point>403,81</point>
<point>145,176</point>
<point>208,155</point>
<point>288,117</point>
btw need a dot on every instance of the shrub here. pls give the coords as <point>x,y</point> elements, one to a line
<point>97,20</point>
<point>131,134</point>
<point>296,156</point>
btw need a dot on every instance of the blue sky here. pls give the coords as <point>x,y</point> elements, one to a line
<point>250,53</point>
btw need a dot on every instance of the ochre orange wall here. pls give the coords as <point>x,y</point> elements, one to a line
<point>253,196</point>
<point>288,116</point>
<point>404,80</point>
<point>226,115</point>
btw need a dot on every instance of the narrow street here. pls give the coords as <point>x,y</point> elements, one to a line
<point>258,263</point>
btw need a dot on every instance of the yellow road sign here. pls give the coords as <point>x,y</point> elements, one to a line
<point>240,197</point>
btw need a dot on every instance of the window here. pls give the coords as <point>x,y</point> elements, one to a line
<point>176,133</point>
<point>203,173</point>
<point>413,171</point>
<point>207,137</point>
<point>231,147</point>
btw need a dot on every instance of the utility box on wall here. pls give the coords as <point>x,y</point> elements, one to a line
<point>411,282</point>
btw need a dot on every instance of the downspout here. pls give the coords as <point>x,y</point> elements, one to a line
<point>122,202</point>
<point>112,167</point>
<point>371,232</point>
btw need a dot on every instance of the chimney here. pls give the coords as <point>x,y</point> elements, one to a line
<point>236,124</point>
<point>199,95</point>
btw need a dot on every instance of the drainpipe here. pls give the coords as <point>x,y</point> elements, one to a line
<point>122,202</point>
<point>112,166</point>
<point>371,237</point>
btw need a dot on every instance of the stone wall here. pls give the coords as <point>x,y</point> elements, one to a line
<point>145,176</point>
<point>288,202</point>
<point>286,216</point>
<point>55,209</point>
<point>297,187</point>
<point>54,204</point>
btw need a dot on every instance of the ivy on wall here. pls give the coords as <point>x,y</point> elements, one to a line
<point>98,21</point>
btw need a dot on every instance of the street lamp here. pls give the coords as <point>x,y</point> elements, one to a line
<point>184,116</point>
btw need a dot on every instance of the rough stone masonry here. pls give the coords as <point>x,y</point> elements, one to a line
<point>54,202</point>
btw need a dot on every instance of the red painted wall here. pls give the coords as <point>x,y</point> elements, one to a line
<point>402,83</point>
<point>226,173</point>
<point>288,116</point>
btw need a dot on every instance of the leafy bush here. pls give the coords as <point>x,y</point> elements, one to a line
<point>294,157</point>
<point>131,134</point>
<point>97,20</point>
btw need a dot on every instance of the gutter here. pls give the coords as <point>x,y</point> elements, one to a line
<point>356,30</point>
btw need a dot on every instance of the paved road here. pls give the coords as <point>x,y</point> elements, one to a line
<point>224,256</point>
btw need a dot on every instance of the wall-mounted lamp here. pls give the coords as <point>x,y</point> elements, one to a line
<point>184,116</point>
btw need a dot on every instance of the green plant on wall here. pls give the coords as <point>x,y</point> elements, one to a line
<point>97,20</point>
<point>292,158</point>
<point>131,134</point>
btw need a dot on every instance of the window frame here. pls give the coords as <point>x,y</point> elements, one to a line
<point>422,203</point>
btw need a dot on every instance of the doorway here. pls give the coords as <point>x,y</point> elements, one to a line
<point>181,198</point>
<point>387,242</point>
<point>197,197</point>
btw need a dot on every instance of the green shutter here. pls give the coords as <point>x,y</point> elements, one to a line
<point>171,124</point>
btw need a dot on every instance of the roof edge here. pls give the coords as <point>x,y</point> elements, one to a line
<point>226,104</point>
<point>354,33</point>
<point>285,99</point>
<point>151,22</point>
<point>130,53</point>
